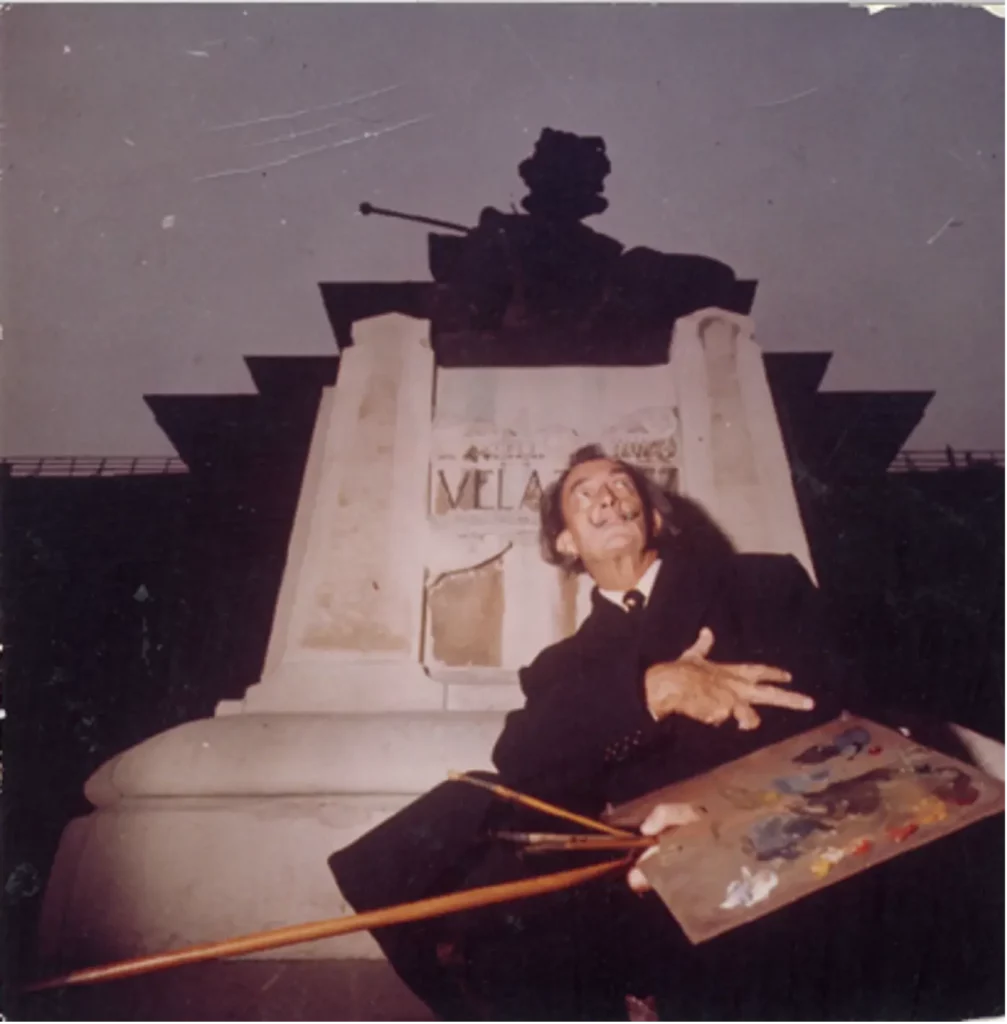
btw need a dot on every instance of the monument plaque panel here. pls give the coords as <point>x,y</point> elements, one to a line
<point>500,437</point>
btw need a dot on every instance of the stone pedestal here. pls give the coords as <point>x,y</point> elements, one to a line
<point>223,826</point>
<point>413,592</point>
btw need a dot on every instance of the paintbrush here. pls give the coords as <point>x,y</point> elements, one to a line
<point>540,805</point>
<point>549,842</point>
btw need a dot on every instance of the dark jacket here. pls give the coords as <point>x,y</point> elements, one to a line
<point>585,734</point>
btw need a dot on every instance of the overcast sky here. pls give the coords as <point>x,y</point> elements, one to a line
<point>852,163</point>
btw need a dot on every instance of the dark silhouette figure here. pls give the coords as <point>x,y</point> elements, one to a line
<point>542,288</point>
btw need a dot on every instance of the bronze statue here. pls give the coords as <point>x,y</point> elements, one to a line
<point>542,288</point>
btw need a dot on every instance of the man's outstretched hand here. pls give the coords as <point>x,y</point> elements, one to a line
<point>712,693</point>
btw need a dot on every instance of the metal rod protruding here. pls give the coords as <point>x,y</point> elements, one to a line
<point>366,209</point>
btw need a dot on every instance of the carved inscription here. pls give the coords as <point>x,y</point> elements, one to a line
<point>504,489</point>
<point>480,474</point>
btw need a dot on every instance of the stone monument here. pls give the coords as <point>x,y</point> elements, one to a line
<point>414,587</point>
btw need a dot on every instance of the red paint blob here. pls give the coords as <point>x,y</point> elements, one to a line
<point>875,750</point>
<point>902,831</point>
<point>862,846</point>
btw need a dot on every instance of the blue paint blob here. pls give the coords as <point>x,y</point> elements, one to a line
<point>797,784</point>
<point>780,836</point>
<point>849,744</point>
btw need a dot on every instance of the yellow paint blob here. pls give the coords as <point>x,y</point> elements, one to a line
<point>930,810</point>
<point>820,867</point>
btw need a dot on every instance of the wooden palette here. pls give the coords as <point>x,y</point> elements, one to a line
<point>803,814</point>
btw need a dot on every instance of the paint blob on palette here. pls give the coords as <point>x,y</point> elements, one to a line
<point>788,820</point>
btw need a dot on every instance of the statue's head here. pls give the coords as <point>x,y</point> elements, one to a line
<point>565,176</point>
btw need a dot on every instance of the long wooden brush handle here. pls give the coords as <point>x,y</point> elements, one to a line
<point>534,842</point>
<point>539,805</point>
<point>256,942</point>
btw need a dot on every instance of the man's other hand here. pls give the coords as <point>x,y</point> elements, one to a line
<point>711,693</point>
<point>660,819</point>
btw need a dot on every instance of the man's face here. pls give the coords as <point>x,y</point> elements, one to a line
<point>603,513</point>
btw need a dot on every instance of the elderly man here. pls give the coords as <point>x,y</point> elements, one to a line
<point>691,656</point>
<point>680,640</point>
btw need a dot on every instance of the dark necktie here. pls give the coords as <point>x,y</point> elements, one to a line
<point>633,601</point>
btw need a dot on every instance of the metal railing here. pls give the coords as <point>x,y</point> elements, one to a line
<point>89,466</point>
<point>909,460</point>
<point>921,460</point>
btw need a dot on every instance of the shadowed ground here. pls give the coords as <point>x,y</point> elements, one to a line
<point>239,990</point>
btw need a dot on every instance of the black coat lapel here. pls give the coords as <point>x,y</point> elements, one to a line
<point>685,597</point>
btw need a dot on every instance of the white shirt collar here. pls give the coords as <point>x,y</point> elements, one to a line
<point>645,584</point>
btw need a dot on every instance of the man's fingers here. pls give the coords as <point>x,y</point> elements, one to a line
<point>665,816</point>
<point>637,880</point>
<point>746,716</point>
<point>753,693</point>
<point>760,673</point>
<point>662,817</point>
<point>703,645</point>
<point>720,714</point>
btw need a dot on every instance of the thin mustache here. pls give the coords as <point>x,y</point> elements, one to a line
<point>626,516</point>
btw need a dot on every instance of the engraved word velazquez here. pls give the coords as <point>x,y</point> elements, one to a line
<point>481,472</point>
